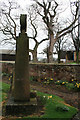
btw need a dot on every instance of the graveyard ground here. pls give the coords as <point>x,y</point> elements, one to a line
<point>70,98</point>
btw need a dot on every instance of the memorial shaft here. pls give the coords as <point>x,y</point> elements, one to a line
<point>21,82</point>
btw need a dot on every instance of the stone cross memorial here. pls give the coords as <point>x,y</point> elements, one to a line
<point>21,82</point>
<point>20,101</point>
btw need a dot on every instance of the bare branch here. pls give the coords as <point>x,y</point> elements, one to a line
<point>66,31</point>
<point>34,27</point>
<point>43,40</point>
<point>8,25</point>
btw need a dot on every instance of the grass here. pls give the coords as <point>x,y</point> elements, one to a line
<point>54,106</point>
<point>73,63</point>
<point>4,89</point>
<point>51,107</point>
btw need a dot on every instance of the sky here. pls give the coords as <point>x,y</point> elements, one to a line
<point>26,3</point>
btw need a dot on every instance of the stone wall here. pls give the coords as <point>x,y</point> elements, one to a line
<point>8,67</point>
<point>55,71</point>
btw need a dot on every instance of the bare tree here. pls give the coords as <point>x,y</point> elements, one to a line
<point>8,25</point>
<point>34,28</point>
<point>49,16</point>
<point>46,51</point>
<point>59,46</point>
<point>76,42</point>
<point>74,33</point>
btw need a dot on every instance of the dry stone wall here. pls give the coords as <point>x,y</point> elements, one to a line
<point>55,71</point>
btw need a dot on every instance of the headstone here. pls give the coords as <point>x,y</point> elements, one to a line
<point>20,101</point>
<point>21,83</point>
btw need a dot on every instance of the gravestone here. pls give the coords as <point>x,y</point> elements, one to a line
<point>21,82</point>
<point>20,101</point>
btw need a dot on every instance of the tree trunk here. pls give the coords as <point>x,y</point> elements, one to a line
<point>52,42</point>
<point>34,53</point>
<point>35,56</point>
<point>58,56</point>
<point>59,53</point>
<point>77,56</point>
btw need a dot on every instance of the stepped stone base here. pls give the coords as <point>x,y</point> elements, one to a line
<point>21,108</point>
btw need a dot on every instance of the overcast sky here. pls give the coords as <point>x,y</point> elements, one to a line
<point>26,3</point>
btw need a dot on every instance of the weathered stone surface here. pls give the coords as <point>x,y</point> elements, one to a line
<point>21,83</point>
<point>23,23</point>
<point>21,108</point>
<point>21,90</point>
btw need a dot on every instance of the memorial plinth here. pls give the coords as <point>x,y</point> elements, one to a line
<point>21,108</point>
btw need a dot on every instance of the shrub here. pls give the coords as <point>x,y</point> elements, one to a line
<point>33,78</point>
<point>4,74</point>
<point>62,108</point>
<point>43,100</point>
<point>77,86</point>
<point>48,80</point>
<point>70,86</point>
<point>60,82</point>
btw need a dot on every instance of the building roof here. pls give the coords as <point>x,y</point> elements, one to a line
<point>7,51</point>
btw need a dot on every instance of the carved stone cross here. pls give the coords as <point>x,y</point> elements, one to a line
<point>21,81</point>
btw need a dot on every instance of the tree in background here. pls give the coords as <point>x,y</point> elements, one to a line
<point>46,51</point>
<point>74,33</point>
<point>8,26</point>
<point>75,39</point>
<point>34,27</point>
<point>49,16</point>
<point>59,46</point>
